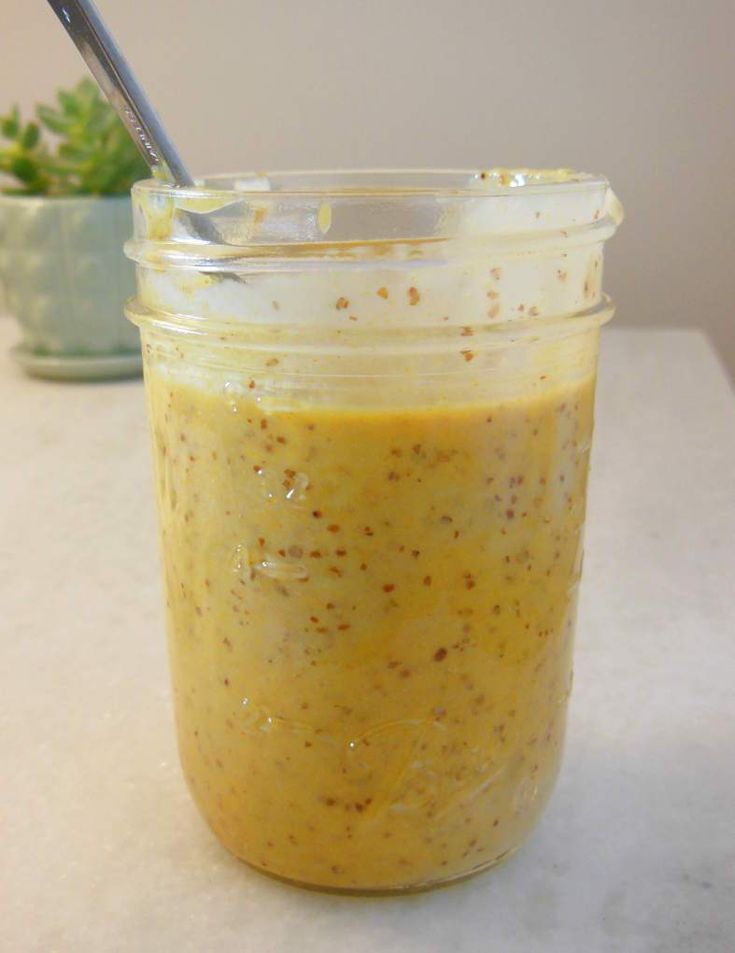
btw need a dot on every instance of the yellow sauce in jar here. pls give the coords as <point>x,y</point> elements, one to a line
<point>370,622</point>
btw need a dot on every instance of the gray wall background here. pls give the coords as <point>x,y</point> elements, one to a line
<point>641,90</point>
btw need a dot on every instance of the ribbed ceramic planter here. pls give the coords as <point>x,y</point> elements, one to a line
<point>66,279</point>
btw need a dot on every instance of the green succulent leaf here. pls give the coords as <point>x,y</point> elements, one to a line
<point>10,124</point>
<point>52,120</point>
<point>87,92</point>
<point>31,135</point>
<point>69,102</point>
<point>24,169</point>
<point>74,151</point>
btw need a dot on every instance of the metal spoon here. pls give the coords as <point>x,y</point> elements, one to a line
<point>81,20</point>
<point>103,56</point>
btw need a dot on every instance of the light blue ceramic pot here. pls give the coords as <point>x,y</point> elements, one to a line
<point>66,278</point>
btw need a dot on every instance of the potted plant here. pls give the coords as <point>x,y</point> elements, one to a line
<point>64,215</point>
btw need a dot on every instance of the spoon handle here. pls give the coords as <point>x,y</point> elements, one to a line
<point>82,22</point>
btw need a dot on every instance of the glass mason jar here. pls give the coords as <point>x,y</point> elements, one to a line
<point>371,400</point>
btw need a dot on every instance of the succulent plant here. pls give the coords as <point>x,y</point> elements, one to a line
<point>79,147</point>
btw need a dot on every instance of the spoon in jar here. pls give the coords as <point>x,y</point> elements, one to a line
<point>81,20</point>
<point>83,23</point>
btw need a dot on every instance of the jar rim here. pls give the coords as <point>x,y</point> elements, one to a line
<point>373,183</point>
<point>231,221</point>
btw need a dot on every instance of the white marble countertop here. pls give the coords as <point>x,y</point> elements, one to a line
<point>101,849</point>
